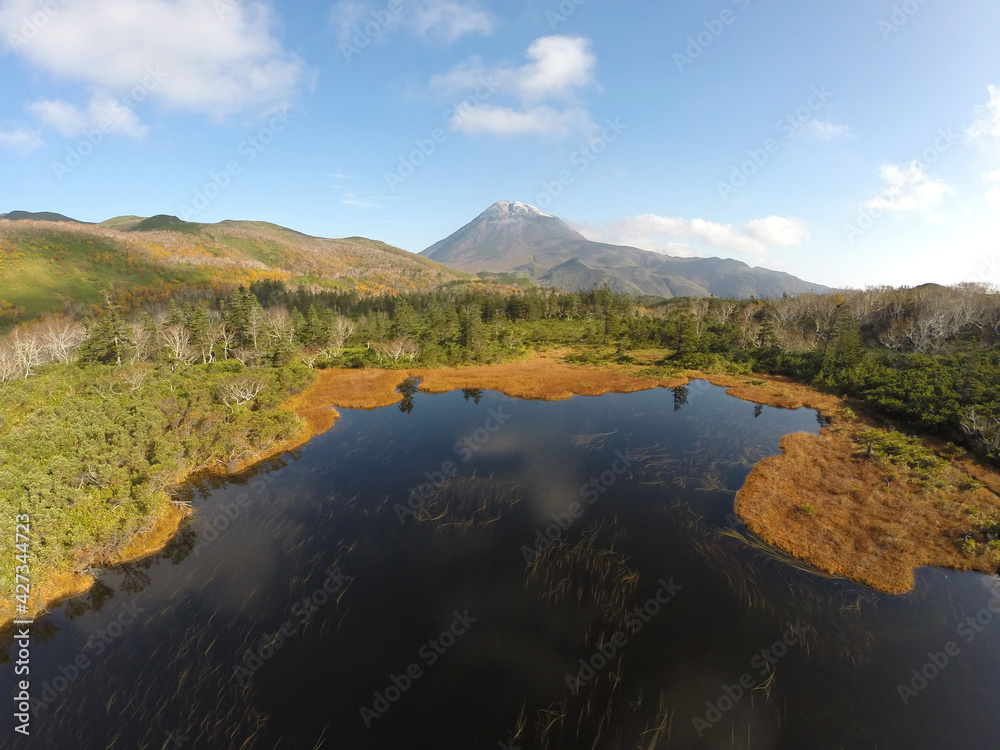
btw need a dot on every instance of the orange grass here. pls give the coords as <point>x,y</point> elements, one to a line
<point>864,525</point>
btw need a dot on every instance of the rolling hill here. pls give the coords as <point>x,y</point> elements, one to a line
<point>46,263</point>
<point>511,237</point>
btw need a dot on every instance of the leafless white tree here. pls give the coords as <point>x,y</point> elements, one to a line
<point>28,350</point>
<point>341,330</point>
<point>397,349</point>
<point>62,338</point>
<point>240,390</point>
<point>225,334</point>
<point>135,375</point>
<point>9,368</point>
<point>177,339</point>
<point>278,324</point>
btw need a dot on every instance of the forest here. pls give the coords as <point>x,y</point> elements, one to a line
<point>105,412</point>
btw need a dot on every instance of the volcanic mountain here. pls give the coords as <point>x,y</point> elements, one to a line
<point>512,237</point>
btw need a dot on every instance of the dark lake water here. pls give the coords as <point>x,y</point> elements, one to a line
<point>477,572</point>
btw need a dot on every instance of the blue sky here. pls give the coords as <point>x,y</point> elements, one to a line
<point>849,143</point>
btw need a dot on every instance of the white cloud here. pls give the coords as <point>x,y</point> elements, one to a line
<point>217,58</point>
<point>558,69</point>
<point>985,130</point>
<point>559,66</point>
<point>504,121</point>
<point>436,20</point>
<point>103,112</point>
<point>685,237</point>
<point>450,20</point>
<point>21,140</point>
<point>825,132</point>
<point>908,188</point>
<point>778,231</point>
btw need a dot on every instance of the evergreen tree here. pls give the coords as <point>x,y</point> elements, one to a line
<point>175,315</point>
<point>109,341</point>
<point>404,320</point>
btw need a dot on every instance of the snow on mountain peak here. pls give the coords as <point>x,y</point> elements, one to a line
<point>506,210</point>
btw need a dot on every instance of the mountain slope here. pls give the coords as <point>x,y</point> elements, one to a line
<point>44,263</point>
<point>40,216</point>
<point>509,237</point>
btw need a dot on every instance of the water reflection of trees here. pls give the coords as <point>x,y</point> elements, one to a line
<point>408,389</point>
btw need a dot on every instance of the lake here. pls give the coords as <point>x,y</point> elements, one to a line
<point>467,571</point>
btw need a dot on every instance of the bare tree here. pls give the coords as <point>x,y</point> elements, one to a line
<point>254,325</point>
<point>142,343</point>
<point>746,318</point>
<point>9,368</point>
<point>310,354</point>
<point>28,351</point>
<point>240,390</point>
<point>62,338</point>
<point>225,334</point>
<point>397,349</point>
<point>177,339</point>
<point>278,324</point>
<point>341,330</point>
<point>699,312</point>
<point>135,376</point>
<point>979,428</point>
<point>723,310</point>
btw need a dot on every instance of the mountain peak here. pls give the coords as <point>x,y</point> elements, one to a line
<point>513,237</point>
<point>506,210</point>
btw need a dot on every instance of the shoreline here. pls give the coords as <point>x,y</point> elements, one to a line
<point>826,472</point>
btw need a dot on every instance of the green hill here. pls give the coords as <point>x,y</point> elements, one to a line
<point>46,265</point>
<point>39,216</point>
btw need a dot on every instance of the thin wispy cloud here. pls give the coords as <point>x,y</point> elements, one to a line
<point>687,237</point>
<point>824,131</point>
<point>440,21</point>
<point>20,140</point>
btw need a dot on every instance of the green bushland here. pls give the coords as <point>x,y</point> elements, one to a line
<point>91,453</point>
<point>890,449</point>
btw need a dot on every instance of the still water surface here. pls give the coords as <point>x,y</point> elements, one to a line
<point>473,572</point>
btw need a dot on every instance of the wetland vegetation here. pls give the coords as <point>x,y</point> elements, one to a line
<point>105,412</point>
